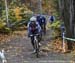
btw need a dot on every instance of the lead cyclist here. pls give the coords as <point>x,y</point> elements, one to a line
<point>33,28</point>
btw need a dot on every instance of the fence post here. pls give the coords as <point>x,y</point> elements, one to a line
<point>64,50</point>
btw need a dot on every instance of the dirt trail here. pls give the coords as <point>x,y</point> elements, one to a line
<point>19,50</point>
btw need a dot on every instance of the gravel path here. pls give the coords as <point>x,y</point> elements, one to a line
<point>19,50</point>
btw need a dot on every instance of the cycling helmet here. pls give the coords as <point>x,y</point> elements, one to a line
<point>33,19</point>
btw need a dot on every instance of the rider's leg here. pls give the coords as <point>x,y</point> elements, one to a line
<point>44,28</point>
<point>40,36</point>
<point>32,41</point>
<point>39,40</point>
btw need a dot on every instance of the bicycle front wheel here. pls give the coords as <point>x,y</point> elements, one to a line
<point>37,49</point>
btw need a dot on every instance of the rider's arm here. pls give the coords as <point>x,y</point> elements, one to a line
<point>54,18</point>
<point>28,27</point>
<point>28,24</point>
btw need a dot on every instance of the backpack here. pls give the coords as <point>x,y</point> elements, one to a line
<point>33,26</point>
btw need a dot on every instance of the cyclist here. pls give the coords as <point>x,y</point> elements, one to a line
<point>33,28</point>
<point>42,21</point>
<point>51,18</point>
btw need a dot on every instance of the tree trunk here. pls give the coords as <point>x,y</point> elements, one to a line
<point>74,17</point>
<point>68,13</point>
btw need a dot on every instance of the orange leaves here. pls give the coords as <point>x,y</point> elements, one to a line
<point>56,45</point>
<point>17,12</point>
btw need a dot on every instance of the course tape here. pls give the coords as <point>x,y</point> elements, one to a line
<point>68,38</point>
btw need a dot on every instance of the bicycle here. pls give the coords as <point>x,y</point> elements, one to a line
<point>36,44</point>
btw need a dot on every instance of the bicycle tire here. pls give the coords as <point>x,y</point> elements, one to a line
<point>37,49</point>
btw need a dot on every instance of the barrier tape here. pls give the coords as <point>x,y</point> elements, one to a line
<point>64,47</point>
<point>68,38</point>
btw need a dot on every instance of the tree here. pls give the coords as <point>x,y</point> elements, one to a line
<point>67,9</point>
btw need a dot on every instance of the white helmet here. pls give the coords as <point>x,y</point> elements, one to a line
<point>33,19</point>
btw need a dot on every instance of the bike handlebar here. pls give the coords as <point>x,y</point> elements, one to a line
<point>34,35</point>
